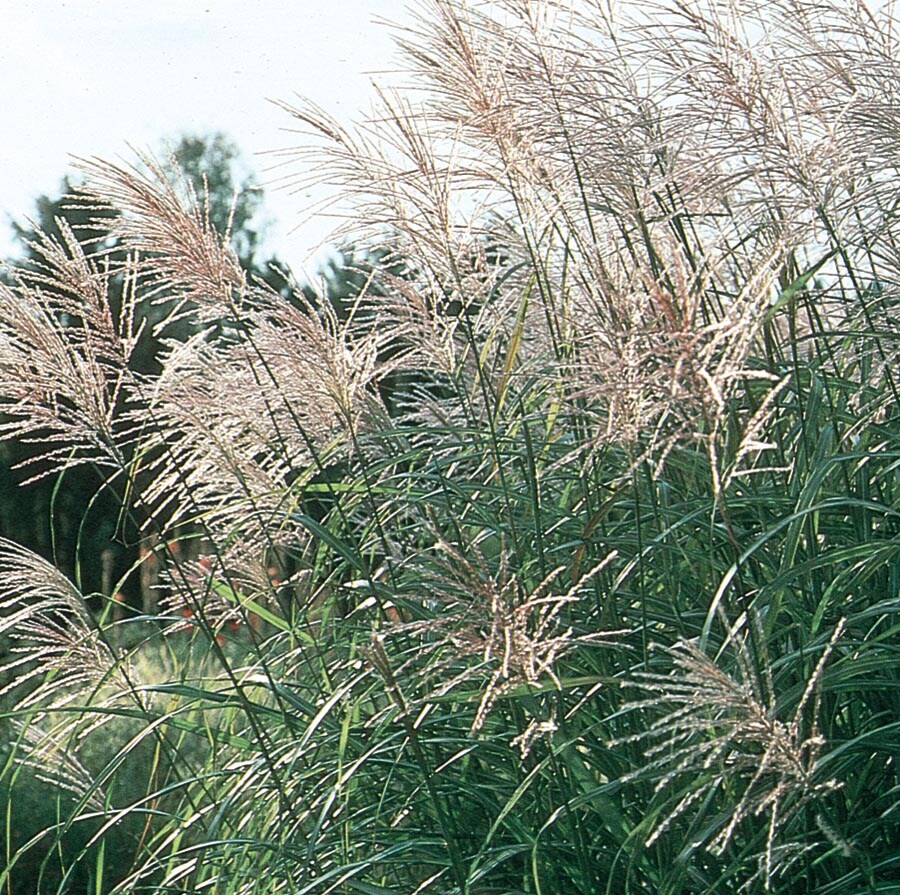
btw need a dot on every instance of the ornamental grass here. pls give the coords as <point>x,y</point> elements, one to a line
<point>563,557</point>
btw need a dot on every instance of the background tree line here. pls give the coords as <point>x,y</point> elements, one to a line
<point>62,517</point>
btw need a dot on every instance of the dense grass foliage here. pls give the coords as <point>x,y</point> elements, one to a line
<point>561,559</point>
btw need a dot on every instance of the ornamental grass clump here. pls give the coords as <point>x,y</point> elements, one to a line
<point>562,555</point>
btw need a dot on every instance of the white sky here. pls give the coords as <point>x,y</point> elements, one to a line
<point>90,77</point>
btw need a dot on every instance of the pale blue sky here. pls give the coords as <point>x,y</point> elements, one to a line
<point>89,77</point>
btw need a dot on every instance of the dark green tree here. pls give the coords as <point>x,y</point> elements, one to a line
<point>206,169</point>
<point>56,516</point>
<point>212,168</point>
